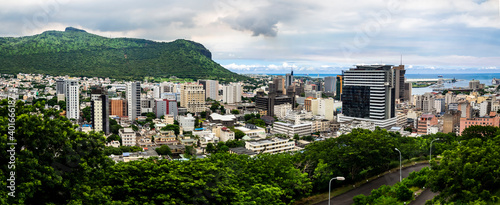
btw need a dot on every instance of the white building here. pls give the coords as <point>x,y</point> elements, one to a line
<point>206,137</point>
<point>187,122</point>
<point>134,100</point>
<point>280,111</point>
<point>72,99</point>
<point>211,89</point>
<point>128,137</point>
<point>231,93</point>
<point>275,145</point>
<point>302,129</point>
<point>100,117</point>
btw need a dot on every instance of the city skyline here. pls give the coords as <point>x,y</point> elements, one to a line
<point>308,37</point>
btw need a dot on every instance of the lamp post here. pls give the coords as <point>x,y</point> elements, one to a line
<point>430,151</point>
<point>400,165</point>
<point>330,186</point>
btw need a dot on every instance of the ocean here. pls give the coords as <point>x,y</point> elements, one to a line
<point>462,79</point>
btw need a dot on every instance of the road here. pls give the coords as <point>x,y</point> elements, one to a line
<point>427,194</point>
<point>366,189</point>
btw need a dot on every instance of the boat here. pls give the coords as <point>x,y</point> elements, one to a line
<point>440,76</point>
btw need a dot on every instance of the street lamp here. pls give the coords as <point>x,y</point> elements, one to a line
<point>330,186</point>
<point>430,151</point>
<point>400,165</point>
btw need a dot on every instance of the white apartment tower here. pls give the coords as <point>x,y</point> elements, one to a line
<point>72,99</point>
<point>134,100</point>
<point>231,93</point>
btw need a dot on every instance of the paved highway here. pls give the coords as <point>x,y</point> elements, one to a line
<point>427,194</point>
<point>366,189</point>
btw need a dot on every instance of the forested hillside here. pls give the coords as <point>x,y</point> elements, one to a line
<point>75,52</point>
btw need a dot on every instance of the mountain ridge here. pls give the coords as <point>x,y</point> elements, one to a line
<point>76,52</point>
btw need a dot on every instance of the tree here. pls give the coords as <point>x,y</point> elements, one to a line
<point>210,148</point>
<point>235,112</point>
<point>173,127</point>
<point>87,114</point>
<point>189,152</point>
<point>135,128</point>
<point>403,193</point>
<point>114,137</point>
<point>163,150</point>
<point>238,134</point>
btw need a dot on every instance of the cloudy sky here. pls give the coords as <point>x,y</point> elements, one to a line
<point>264,36</point>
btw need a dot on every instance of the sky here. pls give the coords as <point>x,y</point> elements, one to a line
<point>265,36</point>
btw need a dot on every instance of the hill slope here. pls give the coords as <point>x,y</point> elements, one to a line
<point>75,52</point>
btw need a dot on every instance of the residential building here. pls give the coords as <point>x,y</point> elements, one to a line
<point>128,136</point>
<point>492,120</point>
<point>231,93</point>
<point>368,94</point>
<point>211,88</point>
<point>100,114</point>
<point>166,107</point>
<point>424,122</point>
<point>134,100</point>
<point>289,79</point>
<point>425,103</point>
<point>474,84</point>
<point>193,97</point>
<point>72,99</point>
<point>187,122</point>
<point>280,111</point>
<point>118,107</point>
<point>451,121</point>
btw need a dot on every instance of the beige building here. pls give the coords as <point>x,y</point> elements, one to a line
<point>223,133</point>
<point>275,145</point>
<point>193,97</point>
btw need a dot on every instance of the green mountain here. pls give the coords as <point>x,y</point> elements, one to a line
<point>75,52</point>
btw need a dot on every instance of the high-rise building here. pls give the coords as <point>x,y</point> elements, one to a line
<point>100,114</point>
<point>211,88</point>
<point>60,86</point>
<point>231,93</point>
<point>399,80</point>
<point>72,99</point>
<point>118,107</point>
<point>288,79</point>
<point>156,92</point>
<point>278,85</point>
<point>339,84</point>
<point>193,97</point>
<point>166,107</point>
<point>330,84</point>
<point>407,92</point>
<point>134,100</point>
<point>425,103</point>
<point>368,94</point>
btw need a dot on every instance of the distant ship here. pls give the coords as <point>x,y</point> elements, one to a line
<point>440,76</point>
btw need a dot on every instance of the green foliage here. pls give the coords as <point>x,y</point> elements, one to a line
<point>403,193</point>
<point>114,137</point>
<point>84,54</point>
<point>173,127</point>
<point>87,114</point>
<point>470,171</point>
<point>235,112</point>
<point>163,150</point>
<point>112,150</point>
<point>114,126</point>
<point>238,134</point>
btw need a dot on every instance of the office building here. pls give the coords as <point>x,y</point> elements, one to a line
<point>60,86</point>
<point>134,100</point>
<point>399,82</point>
<point>100,114</point>
<point>289,79</point>
<point>72,99</point>
<point>193,97</point>
<point>368,94</point>
<point>211,88</point>
<point>338,85</point>
<point>474,84</point>
<point>330,84</point>
<point>231,93</point>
